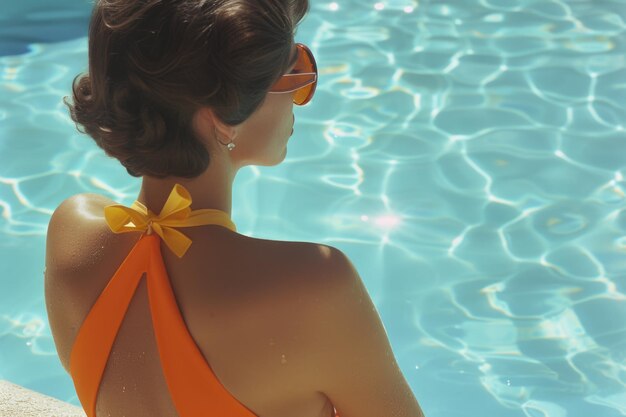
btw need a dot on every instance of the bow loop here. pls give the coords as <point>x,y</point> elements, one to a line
<point>176,208</point>
<point>125,219</point>
<point>176,212</point>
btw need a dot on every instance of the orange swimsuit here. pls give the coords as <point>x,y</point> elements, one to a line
<point>195,390</point>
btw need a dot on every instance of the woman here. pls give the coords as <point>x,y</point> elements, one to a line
<point>185,93</point>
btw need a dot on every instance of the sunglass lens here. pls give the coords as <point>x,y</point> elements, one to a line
<point>306,63</point>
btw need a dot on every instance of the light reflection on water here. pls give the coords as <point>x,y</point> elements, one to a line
<point>468,157</point>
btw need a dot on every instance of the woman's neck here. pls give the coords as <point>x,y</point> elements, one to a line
<point>210,190</point>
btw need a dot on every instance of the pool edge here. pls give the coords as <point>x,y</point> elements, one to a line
<point>17,401</point>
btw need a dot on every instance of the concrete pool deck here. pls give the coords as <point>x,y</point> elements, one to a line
<point>17,401</point>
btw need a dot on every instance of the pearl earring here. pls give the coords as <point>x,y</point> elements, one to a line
<point>230,145</point>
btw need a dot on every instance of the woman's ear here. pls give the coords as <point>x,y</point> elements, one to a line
<point>209,122</point>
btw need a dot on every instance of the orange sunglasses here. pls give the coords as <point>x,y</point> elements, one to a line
<point>302,79</point>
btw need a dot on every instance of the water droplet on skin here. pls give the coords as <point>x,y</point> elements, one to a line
<point>283,359</point>
<point>123,388</point>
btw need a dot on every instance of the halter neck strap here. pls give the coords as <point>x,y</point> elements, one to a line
<point>174,214</point>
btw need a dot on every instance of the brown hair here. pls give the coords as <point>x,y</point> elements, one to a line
<point>154,63</point>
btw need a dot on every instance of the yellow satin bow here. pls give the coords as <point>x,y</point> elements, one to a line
<point>175,213</point>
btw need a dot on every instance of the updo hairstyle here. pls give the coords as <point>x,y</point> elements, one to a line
<point>154,63</point>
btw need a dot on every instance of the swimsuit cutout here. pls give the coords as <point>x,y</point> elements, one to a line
<point>195,390</point>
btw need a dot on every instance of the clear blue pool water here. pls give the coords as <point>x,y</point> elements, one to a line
<point>469,157</point>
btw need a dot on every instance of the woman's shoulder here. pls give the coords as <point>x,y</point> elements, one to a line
<point>86,207</point>
<point>74,218</point>
<point>73,230</point>
<point>300,258</point>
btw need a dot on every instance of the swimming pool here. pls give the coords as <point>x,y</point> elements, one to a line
<point>468,156</point>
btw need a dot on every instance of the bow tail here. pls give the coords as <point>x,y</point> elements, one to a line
<point>175,240</point>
